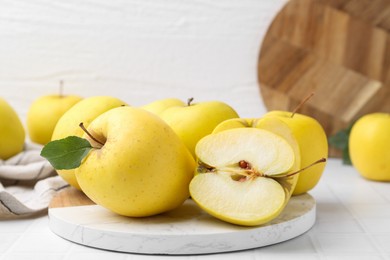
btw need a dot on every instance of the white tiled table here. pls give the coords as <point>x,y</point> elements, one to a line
<point>353,222</point>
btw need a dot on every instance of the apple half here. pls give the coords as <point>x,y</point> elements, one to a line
<point>243,173</point>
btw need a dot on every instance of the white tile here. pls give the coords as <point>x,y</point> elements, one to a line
<point>276,256</point>
<point>370,210</point>
<point>337,226</point>
<point>354,257</point>
<point>98,255</point>
<point>376,225</point>
<point>242,255</point>
<point>335,177</point>
<point>77,248</point>
<point>165,257</point>
<point>358,194</point>
<point>299,245</point>
<point>39,224</point>
<point>84,253</point>
<point>323,194</point>
<point>32,256</point>
<point>381,187</point>
<point>345,244</point>
<point>332,211</point>
<point>13,226</point>
<point>41,242</point>
<point>383,240</point>
<point>7,239</point>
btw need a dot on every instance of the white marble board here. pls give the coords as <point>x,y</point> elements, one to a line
<point>184,231</point>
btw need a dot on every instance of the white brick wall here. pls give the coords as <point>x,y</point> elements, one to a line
<point>140,50</point>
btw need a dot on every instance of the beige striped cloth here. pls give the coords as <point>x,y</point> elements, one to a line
<point>27,184</point>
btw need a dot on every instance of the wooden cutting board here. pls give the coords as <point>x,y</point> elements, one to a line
<point>185,231</point>
<point>339,49</point>
<point>70,197</point>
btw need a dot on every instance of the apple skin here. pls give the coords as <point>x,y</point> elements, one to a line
<point>159,106</point>
<point>193,122</point>
<point>313,145</point>
<point>84,111</point>
<point>12,133</point>
<point>143,168</point>
<point>369,143</point>
<point>44,114</point>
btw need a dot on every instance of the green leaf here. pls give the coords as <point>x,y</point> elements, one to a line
<point>67,153</point>
<point>346,158</point>
<point>340,141</point>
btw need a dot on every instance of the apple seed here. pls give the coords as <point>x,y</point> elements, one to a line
<point>244,164</point>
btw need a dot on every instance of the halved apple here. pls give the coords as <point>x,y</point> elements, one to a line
<point>277,126</point>
<point>243,173</point>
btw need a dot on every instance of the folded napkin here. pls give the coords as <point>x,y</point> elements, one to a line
<point>27,183</point>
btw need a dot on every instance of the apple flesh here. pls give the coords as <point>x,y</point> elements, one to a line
<point>247,203</point>
<point>238,174</point>
<point>275,126</point>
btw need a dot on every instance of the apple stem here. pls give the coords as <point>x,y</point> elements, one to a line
<point>61,90</point>
<point>81,125</point>
<point>301,104</point>
<point>322,160</point>
<point>189,101</point>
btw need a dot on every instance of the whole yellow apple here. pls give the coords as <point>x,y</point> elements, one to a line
<point>313,145</point>
<point>84,112</point>
<point>141,168</point>
<point>12,134</point>
<point>192,121</point>
<point>44,114</point>
<point>159,106</point>
<point>369,146</point>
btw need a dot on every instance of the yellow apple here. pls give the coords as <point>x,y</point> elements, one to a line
<point>84,112</point>
<point>44,114</point>
<point>243,174</point>
<point>12,134</point>
<point>313,145</point>
<point>142,168</point>
<point>192,121</point>
<point>235,123</point>
<point>159,106</point>
<point>369,146</point>
<point>275,126</point>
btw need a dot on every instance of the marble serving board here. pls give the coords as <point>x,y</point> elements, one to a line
<point>186,230</point>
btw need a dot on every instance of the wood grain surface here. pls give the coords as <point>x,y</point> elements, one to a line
<point>70,197</point>
<point>338,49</point>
